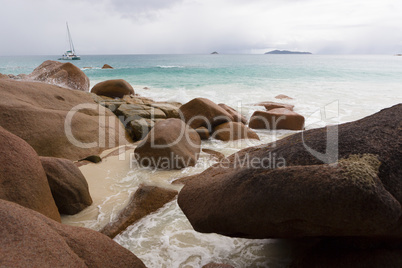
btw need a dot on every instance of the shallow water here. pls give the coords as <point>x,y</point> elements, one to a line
<point>166,239</point>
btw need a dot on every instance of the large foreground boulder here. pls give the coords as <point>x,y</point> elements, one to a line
<point>345,199</point>
<point>201,112</point>
<point>28,239</point>
<point>68,185</point>
<point>171,144</point>
<point>58,122</point>
<point>22,178</point>
<point>290,188</point>
<point>116,88</point>
<point>61,74</point>
<point>145,200</point>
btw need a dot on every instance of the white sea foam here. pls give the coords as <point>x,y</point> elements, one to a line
<point>348,101</point>
<point>166,239</point>
<point>170,66</point>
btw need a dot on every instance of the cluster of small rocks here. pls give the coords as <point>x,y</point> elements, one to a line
<point>138,114</point>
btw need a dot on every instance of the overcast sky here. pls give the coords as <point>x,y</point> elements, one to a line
<point>37,27</point>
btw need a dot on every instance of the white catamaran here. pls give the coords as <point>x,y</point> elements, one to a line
<point>70,54</point>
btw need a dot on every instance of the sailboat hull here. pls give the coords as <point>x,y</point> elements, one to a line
<point>70,58</point>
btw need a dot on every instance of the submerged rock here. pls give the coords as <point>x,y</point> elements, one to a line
<point>61,74</point>
<point>279,118</point>
<point>214,154</point>
<point>171,144</point>
<point>145,200</point>
<point>116,88</point>
<point>282,96</point>
<point>201,112</point>
<point>29,239</point>
<point>107,66</point>
<point>295,188</point>
<point>22,177</point>
<point>68,185</point>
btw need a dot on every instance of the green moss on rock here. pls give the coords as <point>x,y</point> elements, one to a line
<point>361,168</point>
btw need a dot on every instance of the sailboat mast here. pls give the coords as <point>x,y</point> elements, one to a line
<point>70,40</point>
<point>70,54</point>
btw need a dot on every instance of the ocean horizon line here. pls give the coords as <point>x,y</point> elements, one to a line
<point>178,54</point>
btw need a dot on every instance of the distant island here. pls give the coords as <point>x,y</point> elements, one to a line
<point>214,52</point>
<point>286,52</point>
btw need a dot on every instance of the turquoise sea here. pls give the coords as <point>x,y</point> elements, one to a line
<point>326,89</point>
<point>362,84</point>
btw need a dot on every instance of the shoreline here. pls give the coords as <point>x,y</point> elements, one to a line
<point>113,181</point>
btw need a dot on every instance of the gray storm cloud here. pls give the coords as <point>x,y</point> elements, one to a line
<point>201,26</point>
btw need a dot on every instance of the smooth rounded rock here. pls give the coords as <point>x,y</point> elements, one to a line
<point>279,118</point>
<point>22,177</point>
<point>171,144</point>
<point>61,74</point>
<point>201,112</point>
<point>116,88</point>
<point>68,185</point>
